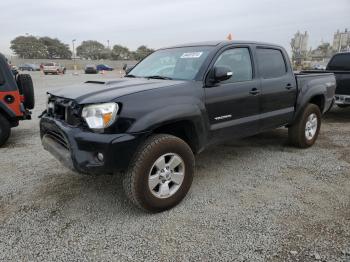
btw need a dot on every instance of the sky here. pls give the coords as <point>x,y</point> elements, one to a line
<point>160,23</point>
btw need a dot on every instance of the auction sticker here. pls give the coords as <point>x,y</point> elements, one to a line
<point>192,55</point>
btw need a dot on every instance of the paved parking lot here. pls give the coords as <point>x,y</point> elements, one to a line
<point>251,200</point>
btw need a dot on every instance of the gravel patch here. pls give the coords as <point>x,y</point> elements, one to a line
<point>256,199</point>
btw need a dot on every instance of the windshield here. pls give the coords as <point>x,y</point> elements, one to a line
<point>176,63</point>
<point>340,62</point>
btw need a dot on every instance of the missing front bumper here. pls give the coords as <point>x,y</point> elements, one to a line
<point>58,151</point>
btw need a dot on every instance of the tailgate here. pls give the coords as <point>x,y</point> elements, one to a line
<point>50,68</point>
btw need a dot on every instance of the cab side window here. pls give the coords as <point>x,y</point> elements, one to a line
<point>271,63</point>
<point>239,61</point>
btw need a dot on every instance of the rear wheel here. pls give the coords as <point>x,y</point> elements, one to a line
<point>160,174</point>
<point>5,130</point>
<point>26,88</point>
<point>304,132</point>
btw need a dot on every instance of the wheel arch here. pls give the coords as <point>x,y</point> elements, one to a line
<point>183,129</point>
<point>8,114</point>
<point>318,100</point>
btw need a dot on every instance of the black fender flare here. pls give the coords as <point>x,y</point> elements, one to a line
<point>172,114</point>
<point>307,95</point>
<point>8,113</point>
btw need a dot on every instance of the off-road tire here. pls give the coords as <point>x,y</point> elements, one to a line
<point>135,181</point>
<point>26,88</point>
<point>5,130</point>
<point>296,132</point>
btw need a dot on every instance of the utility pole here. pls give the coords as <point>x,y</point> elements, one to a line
<point>75,66</point>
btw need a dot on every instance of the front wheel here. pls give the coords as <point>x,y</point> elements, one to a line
<point>304,132</point>
<point>160,174</point>
<point>5,130</point>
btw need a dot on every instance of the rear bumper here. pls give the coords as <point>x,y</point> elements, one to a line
<point>51,70</point>
<point>342,99</point>
<point>77,149</point>
<point>91,71</point>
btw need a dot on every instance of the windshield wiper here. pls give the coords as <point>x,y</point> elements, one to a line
<point>158,77</point>
<point>130,76</point>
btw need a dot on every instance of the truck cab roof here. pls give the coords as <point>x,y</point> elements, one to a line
<point>222,43</point>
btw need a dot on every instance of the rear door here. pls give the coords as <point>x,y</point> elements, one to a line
<point>233,105</point>
<point>278,87</point>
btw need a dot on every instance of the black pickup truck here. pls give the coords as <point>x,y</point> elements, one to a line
<point>339,65</point>
<point>175,103</point>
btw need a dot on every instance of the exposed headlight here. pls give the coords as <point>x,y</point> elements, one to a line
<point>100,116</point>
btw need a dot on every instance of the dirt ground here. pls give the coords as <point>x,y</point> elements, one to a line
<point>256,199</point>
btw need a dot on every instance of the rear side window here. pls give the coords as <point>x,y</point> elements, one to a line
<point>271,63</point>
<point>339,62</point>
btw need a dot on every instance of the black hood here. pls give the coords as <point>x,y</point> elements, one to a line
<point>100,91</point>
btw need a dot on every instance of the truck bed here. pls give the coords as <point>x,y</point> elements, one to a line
<point>307,80</point>
<point>342,77</point>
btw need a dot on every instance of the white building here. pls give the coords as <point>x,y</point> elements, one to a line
<point>341,41</point>
<point>299,42</point>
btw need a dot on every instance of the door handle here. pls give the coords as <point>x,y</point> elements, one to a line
<point>254,91</point>
<point>289,86</point>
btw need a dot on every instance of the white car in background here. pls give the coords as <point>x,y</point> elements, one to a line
<point>319,67</point>
<point>53,68</point>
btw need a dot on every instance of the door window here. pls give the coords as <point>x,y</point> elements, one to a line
<point>271,63</point>
<point>239,61</point>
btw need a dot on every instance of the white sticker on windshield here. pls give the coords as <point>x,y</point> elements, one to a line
<point>192,55</point>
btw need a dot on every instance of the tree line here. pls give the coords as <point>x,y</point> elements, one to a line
<point>51,48</point>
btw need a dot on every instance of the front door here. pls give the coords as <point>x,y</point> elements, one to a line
<point>233,105</point>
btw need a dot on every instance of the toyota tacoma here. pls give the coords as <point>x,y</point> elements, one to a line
<point>174,104</point>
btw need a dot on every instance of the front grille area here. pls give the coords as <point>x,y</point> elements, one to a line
<point>65,110</point>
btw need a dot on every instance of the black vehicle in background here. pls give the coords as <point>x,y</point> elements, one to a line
<point>29,67</point>
<point>340,66</point>
<point>173,105</point>
<point>91,69</point>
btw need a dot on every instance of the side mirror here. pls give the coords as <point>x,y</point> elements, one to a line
<point>125,66</point>
<point>221,73</point>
